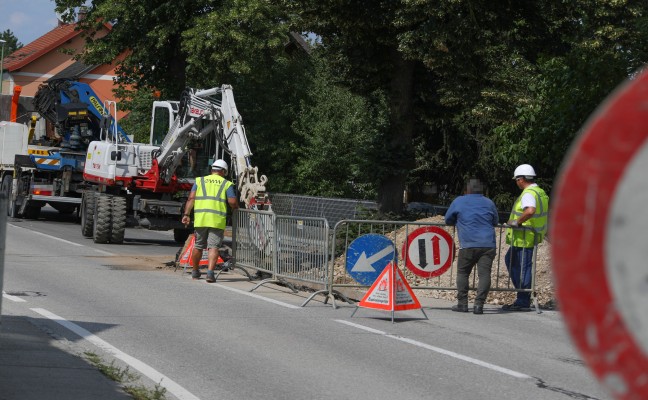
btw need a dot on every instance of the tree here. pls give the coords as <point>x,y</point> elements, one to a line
<point>497,84</point>
<point>169,45</point>
<point>138,120</point>
<point>146,35</point>
<point>360,41</point>
<point>12,44</point>
<point>341,151</point>
<point>594,47</point>
<point>438,91</point>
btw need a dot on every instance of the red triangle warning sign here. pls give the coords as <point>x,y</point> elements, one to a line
<point>185,257</point>
<point>390,294</point>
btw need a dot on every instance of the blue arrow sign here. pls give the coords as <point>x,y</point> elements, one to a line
<point>367,256</point>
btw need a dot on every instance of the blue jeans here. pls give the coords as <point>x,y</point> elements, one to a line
<point>519,261</point>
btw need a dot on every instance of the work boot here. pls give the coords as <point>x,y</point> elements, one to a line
<point>514,307</point>
<point>478,309</point>
<point>210,277</point>
<point>460,308</point>
<point>195,274</point>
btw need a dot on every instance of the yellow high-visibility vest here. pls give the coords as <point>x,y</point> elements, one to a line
<point>537,223</point>
<point>210,206</point>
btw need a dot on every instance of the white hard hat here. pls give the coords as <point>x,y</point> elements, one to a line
<point>220,164</point>
<point>524,170</point>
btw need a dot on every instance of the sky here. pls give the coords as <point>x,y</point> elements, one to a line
<point>27,19</point>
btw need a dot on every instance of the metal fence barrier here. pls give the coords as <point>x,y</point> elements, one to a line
<point>333,210</point>
<point>302,248</point>
<point>285,249</point>
<point>288,249</point>
<point>253,237</point>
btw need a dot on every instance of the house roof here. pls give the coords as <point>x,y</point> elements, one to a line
<point>43,45</point>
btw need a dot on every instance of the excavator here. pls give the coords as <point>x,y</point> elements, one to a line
<point>138,184</point>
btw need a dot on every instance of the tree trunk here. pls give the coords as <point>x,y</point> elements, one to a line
<point>400,149</point>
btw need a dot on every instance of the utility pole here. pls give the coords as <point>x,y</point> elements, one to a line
<point>1,62</point>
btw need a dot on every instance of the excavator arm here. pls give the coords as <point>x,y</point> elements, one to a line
<point>250,185</point>
<point>203,112</point>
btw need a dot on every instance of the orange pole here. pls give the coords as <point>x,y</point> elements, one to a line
<point>14,103</point>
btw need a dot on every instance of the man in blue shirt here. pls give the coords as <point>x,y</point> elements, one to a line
<point>475,217</point>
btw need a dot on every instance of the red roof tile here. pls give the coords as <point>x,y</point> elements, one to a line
<point>44,44</point>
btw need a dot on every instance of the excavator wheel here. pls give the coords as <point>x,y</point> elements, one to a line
<point>102,219</point>
<point>87,213</point>
<point>118,220</point>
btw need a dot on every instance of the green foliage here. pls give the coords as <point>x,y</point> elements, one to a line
<point>146,39</point>
<point>415,92</point>
<point>12,44</point>
<point>601,47</point>
<point>125,377</point>
<point>360,43</point>
<point>269,102</point>
<point>170,45</point>
<point>138,120</point>
<point>232,38</point>
<point>515,82</point>
<point>341,135</point>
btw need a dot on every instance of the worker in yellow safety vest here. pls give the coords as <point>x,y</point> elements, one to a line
<point>528,222</point>
<point>209,198</point>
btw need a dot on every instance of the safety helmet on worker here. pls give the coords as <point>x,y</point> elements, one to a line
<point>524,170</point>
<point>220,164</point>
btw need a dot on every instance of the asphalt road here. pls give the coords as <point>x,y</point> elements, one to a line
<point>219,341</point>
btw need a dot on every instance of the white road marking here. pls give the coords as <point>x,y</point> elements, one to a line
<point>256,296</point>
<point>62,240</point>
<point>475,361</point>
<point>164,381</point>
<point>102,252</point>
<point>12,298</point>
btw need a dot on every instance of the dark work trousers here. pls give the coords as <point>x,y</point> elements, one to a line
<point>482,257</point>
<point>519,262</point>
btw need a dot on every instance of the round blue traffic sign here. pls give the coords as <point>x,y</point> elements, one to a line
<point>367,256</point>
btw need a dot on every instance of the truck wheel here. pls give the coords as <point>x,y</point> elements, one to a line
<point>13,208</point>
<point>64,208</point>
<point>102,217</point>
<point>32,212</point>
<point>87,213</point>
<point>181,235</point>
<point>118,220</point>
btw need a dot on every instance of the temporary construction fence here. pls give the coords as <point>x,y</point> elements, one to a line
<point>284,248</point>
<point>291,249</point>
<point>333,210</point>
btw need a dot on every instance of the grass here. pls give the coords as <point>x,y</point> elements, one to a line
<point>127,379</point>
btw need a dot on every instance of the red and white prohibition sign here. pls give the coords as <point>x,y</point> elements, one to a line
<point>599,238</point>
<point>428,251</point>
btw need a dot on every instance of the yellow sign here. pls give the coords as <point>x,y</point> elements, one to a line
<point>40,152</point>
<point>96,104</point>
